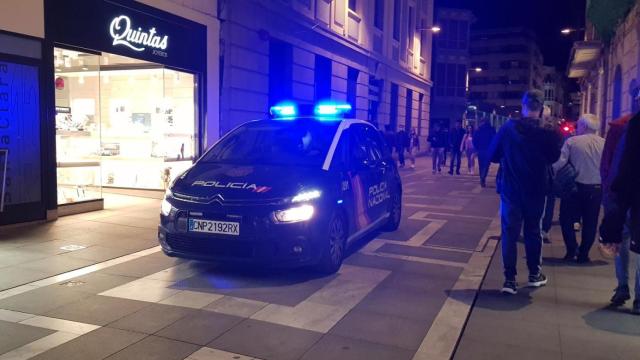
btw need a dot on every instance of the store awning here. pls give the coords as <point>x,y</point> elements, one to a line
<point>584,55</point>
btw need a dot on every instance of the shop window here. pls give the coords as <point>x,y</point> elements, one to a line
<point>120,123</point>
<point>353,5</point>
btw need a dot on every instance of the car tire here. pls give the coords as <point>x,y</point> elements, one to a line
<point>395,212</point>
<point>335,245</point>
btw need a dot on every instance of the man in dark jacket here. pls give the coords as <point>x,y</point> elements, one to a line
<point>621,223</point>
<point>481,142</point>
<point>437,139</point>
<point>455,140</point>
<point>525,152</point>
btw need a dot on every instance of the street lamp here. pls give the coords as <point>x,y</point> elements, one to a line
<point>434,29</point>
<point>568,31</point>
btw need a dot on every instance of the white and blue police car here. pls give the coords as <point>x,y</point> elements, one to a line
<point>292,190</point>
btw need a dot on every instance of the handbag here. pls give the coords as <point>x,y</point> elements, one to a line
<point>564,181</point>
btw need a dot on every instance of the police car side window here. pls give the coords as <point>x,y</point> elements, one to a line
<point>376,146</point>
<point>360,151</point>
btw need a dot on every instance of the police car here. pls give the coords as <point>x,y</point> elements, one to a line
<point>295,189</point>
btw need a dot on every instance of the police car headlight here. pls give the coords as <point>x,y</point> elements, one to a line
<point>296,214</point>
<point>165,207</point>
<point>306,196</point>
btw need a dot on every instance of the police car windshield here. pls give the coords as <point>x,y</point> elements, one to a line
<point>300,142</point>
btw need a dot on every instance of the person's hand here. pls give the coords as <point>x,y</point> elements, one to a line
<point>609,250</point>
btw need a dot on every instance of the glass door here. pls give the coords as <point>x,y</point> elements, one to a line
<point>78,151</point>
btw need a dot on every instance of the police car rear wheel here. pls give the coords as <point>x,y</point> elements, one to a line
<point>395,212</point>
<point>335,247</point>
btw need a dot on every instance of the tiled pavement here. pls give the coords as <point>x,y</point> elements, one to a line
<point>568,319</point>
<point>400,295</point>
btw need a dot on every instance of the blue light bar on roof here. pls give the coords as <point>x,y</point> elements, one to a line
<point>332,108</point>
<point>284,110</point>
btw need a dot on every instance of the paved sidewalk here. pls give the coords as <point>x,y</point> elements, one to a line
<point>400,295</point>
<point>567,319</point>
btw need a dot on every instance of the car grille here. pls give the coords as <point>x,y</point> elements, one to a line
<point>209,246</point>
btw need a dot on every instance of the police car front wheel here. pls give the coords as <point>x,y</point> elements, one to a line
<point>335,245</point>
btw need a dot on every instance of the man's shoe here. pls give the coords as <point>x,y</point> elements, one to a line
<point>569,257</point>
<point>636,307</point>
<point>537,280</point>
<point>620,296</point>
<point>457,172</point>
<point>545,237</point>
<point>483,184</point>
<point>451,173</point>
<point>583,260</point>
<point>433,172</point>
<point>509,287</point>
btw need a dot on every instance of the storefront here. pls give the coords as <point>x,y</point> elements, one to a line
<point>126,98</point>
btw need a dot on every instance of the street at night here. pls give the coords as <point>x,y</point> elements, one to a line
<point>319,179</point>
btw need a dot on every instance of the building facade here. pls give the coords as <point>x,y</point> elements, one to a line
<point>98,96</point>
<point>554,93</point>
<point>451,66</point>
<point>607,65</point>
<point>511,64</point>
<point>373,54</point>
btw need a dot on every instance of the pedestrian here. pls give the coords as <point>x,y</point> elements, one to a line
<point>525,152</point>
<point>415,142</point>
<point>584,153</point>
<point>481,142</point>
<point>390,138</point>
<point>403,144</point>
<point>437,139</point>
<point>467,148</point>
<point>609,167</point>
<point>455,141</point>
<point>445,150</point>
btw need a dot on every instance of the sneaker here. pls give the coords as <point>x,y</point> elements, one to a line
<point>545,238</point>
<point>509,287</point>
<point>636,307</point>
<point>620,296</point>
<point>537,280</point>
<point>433,172</point>
<point>413,166</point>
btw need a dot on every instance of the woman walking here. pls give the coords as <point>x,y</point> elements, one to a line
<point>467,148</point>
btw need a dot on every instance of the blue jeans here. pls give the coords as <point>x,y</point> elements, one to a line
<point>516,213</point>
<point>549,208</point>
<point>622,263</point>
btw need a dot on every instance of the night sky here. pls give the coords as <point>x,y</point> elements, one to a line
<point>545,17</point>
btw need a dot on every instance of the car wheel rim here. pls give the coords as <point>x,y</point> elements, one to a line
<point>336,240</point>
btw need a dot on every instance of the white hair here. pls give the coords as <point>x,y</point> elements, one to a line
<point>590,121</point>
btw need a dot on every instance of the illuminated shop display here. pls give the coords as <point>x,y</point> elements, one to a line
<point>120,122</point>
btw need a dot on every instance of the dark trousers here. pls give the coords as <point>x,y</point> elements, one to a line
<point>549,207</point>
<point>401,155</point>
<point>456,157</point>
<point>437,154</point>
<point>583,205</point>
<point>516,214</point>
<point>483,164</point>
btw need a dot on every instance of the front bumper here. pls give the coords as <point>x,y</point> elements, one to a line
<point>261,242</point>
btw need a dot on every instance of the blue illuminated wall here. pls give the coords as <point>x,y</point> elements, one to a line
<point>20,132</point>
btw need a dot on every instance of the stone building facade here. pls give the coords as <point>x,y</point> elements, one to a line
<point>374,54</point>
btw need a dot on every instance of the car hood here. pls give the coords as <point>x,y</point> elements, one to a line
<point>206,182</point>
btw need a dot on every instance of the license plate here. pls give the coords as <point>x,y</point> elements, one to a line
<point>214,227</point>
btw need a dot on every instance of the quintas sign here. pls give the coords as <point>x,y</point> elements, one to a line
<point>138,40</point>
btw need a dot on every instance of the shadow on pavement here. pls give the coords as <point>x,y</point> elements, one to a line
<point>557,262</point>
<point>614,320</point>
<point>493,299</point>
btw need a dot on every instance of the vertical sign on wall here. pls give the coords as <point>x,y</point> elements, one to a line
<point>20,133</point>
